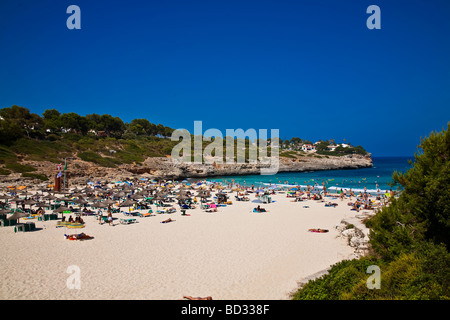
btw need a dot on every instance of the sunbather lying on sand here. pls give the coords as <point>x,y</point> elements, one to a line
<point>80,236</point>
<point>168,220</point>
<point>197,298</point>
<point>259,209</point>
<point>329,204</point>
<point>318,230</point>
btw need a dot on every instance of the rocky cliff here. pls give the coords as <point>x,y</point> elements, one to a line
<point>166,168</point>
<point>80,171</point>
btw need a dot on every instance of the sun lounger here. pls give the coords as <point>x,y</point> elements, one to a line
<point>148,214</point>
<point>163,205</point>
<point>23,227</point>
<point>169,210</point>
<point>130,213</point>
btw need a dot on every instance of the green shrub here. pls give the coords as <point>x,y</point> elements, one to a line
<point>42,177</point>
<point>4,172</point>
<point>98,159</point>
<point>52,137</point>
<point>338,282</point>
<point>20,168</point>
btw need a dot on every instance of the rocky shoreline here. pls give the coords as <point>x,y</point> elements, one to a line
<point>79,171</point>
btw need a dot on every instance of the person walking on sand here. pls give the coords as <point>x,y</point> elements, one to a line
<point>110,219</point>
<point>100,216</point>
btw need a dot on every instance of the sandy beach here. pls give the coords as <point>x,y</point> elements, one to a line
<point>230,254</point>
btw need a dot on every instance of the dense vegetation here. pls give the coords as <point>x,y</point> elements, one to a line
<point>101,139</point>
<point>17,122</point>
<point>410,238</point>
<point>322,148</point>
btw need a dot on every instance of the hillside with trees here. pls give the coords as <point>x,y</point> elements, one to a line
<point>106,141</point>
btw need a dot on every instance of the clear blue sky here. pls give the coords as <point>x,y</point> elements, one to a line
<point>310,68</point>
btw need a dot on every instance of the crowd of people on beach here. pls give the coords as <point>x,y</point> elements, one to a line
<point>103,199</point>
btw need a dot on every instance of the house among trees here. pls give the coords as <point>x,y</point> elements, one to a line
<point>332,147</point>
<point>308,148</point>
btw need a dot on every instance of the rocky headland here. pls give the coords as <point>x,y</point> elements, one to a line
<point>80,171</point>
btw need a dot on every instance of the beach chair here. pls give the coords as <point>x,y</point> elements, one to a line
<point>24,227</point>
<point>19,228</point>
<point>127,221</point>
<point>148,214</point>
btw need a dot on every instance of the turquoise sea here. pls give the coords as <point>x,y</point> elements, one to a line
<point>373,178</point>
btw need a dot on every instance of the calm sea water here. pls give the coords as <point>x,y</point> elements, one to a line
<point>373,178</point>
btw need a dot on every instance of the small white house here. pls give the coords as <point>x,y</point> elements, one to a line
<point>343,145</point>
<point>308,148</point>
<point>332,147</point>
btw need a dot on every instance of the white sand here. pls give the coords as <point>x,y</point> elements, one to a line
<point>231,254</point>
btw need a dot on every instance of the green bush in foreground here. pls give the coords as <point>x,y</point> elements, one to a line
<point>424,274</point>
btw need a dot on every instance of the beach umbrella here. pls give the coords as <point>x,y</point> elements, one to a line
<point>62,209</point>
<point>99,204</point>
<point>80,202</point>
<point>136,196</point>
<point>120,194</point>
<point>159,197</point>
<point>17,200</point>
<point>65,199</point>
<point>42,204</point>
<point>128,203</point>
<point>3,197</point>
<point>183,197</point>
<point>108,202</point>
<point>17,215</point>
<point>29,202</point>
<point>49,197</point>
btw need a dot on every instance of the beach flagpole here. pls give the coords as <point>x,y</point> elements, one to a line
<point>65,168</point>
